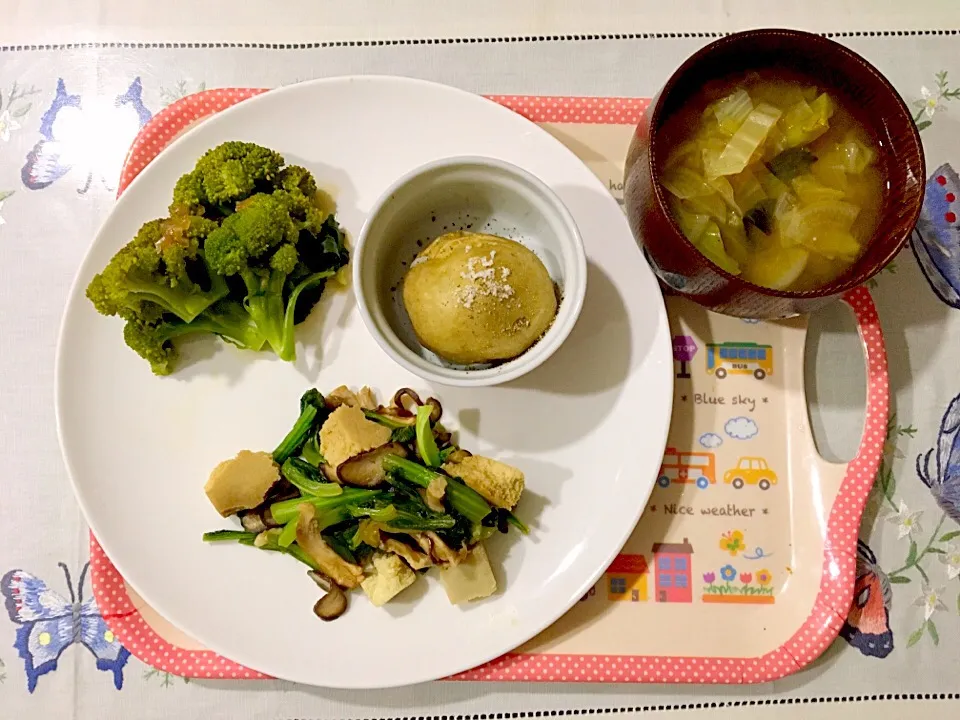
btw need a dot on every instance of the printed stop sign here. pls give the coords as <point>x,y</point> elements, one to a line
<point>684,348</point>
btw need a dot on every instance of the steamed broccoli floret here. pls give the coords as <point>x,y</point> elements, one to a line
<point>137,278</point>
<point>297,179</point>
<point>183,236</point>
<point>188,195</point>
<point>227,174</point>
<point>297,189</point>
<point>153,344</point>
<point>153,341</point>
<point>249,235</point>
<point>244,255</point>
<point>260,243</point>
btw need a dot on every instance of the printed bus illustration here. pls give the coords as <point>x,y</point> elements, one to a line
<point>687,467</point>
<point>738,358</point>
<point>751,471</point>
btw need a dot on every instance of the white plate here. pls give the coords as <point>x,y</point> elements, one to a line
<point>588,428</point>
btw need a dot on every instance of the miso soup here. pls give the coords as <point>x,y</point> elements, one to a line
<point>774,180</point>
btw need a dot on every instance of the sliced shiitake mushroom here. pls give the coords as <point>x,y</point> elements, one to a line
<point>396,417</point>
<point>332,605</point>
<point>252,522</point>
<point>434,492</point>
<point>258,519</point>
<point>345,574</point>
<point>366,469</point>
<point>283,489</point>
<point>437,549</point>
<point>436,410</point>
<point>457,455</point>
<point>441,435</point>
<point>441,552</point>
<point>268,518</point>
<point>341,396</point>
<point>322,581</point>
<point>414,558</point>
<point>368,401</point>
<point>407,400</point>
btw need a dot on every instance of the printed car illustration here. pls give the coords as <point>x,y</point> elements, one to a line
<point>751,471</point>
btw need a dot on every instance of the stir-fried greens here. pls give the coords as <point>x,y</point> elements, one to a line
<point>244,254</point>
<point>369,496</point>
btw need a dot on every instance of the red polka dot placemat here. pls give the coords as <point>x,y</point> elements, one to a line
<point>742,569</point>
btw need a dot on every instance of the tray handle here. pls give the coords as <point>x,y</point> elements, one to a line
<point>859,474</point>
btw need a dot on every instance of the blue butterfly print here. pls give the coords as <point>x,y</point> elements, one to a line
<point>43,164</point>
<point>49,624</point>
<point>74,137</point>
<point>936,239</point>
<point>945,482</point>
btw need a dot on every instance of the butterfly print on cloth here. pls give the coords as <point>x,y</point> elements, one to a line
<point>49,624</point>
<point>87,137</point>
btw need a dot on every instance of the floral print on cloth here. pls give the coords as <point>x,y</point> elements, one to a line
<point>867,626</point>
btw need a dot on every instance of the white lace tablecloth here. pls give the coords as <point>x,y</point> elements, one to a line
<point>51,207</point>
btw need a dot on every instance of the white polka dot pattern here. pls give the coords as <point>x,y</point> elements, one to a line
<point>581,110</point>
<point>836,585</point>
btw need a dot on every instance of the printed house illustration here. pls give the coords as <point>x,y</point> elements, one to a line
<point>627,578</point>
<point>672,567</point>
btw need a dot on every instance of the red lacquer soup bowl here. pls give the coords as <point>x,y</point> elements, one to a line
<point>856,84</point>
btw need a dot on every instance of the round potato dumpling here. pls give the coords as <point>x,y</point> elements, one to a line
<point>476,298</point>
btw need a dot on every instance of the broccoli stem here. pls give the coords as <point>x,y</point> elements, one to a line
<point>465,500</point>
<point>288,346</point>
<point>285,510</point>
<point>265,305</point>
<point>184,304</point>
<point>230,322</point>
<point>426,443</point>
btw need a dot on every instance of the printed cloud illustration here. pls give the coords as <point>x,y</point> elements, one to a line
<point>711,440</point>
<point>741,428</point>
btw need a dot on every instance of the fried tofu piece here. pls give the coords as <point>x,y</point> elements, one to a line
<point>347,433</point>
<point>386,577</point>
<point>242,482</point>
<point>499,483</point>
<point>471,579</point>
